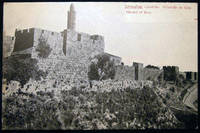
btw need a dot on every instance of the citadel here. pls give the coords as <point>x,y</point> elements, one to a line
<point>71,53</point>
<point>47,85</point>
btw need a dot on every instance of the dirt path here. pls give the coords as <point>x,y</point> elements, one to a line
<point>191,96</point>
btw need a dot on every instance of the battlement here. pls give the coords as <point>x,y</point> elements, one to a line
<point>24,31</point>
<point>52,33</point>
<point>80,36</point>
<point>23,39</point>
<point>32,30</point>
<point>81,45</point>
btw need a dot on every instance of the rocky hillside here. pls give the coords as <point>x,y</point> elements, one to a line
<point>87,108</point>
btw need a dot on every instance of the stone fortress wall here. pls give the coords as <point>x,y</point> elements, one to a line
<point>82,45</point>
<point>152,74</point>
<point>53,39</point>
<point>23,39</point>
<point>191,76</point>
<point>136,72</point>
<point>70,54</point>
<point>8,45</point>
<point>125,72</point>
<point>79,48</point>
<point>116,59</point>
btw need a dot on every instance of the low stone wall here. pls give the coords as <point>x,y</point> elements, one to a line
<point>64,69</point>
<point>108,85</point>
<point>57,85</point>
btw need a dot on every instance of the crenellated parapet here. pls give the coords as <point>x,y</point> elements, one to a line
<point>82,45</point>
<point>23,39</point>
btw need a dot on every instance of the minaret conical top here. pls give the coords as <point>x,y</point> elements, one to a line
<point>71,18</point>
<point>72,7</point>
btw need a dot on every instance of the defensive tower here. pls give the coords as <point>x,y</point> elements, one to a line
<point>71,18</point>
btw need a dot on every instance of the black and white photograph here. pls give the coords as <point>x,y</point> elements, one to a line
<point>99,65</point>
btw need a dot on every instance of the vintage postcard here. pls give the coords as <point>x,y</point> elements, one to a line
<point>99,65</point>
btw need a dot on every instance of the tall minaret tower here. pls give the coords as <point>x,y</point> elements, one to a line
<point>71,18</point>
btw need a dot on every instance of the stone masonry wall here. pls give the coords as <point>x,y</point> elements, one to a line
<point>72,64</point>
<point>125,72</point>
<point>64,69</point>
<point>23,39</point>
<point>8,45</point>
<point>191,76</point>
<point>82,46</point>
<point>116,59</point>
<point>52,39</point>
<point>138,71</point>
<point>78,50</point>
<point>151,74</point>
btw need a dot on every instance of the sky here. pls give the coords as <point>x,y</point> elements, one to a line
<point>166,34</point>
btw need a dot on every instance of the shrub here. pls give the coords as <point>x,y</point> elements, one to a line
<point>21,69</point>
<point>103,69</point>
<point>43,48</point>
<point>93,73</point>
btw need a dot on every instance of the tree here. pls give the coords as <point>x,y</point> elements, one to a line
<point>93,73</point>
<point>180,79</point>
<point>103,69</point>
<point>21,68</point>
<point>43,48</point>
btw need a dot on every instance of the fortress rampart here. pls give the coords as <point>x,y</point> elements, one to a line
<point>69,53</point>
<point>82,45</point>
<point>23,39</point>
<point>8,45</point>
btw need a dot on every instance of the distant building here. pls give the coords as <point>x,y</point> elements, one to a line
<point>191,76</point>
<point>134,72</point>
